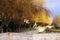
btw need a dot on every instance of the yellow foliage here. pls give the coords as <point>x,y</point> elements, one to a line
<point>39,2</point>
<point>22,9</point>
<point>43,17</point>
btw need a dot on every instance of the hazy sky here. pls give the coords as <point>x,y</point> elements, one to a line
<point>54,6</point>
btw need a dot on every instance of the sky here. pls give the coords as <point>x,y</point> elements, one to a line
<point>53,6</point>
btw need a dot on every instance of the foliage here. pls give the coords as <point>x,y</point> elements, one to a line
<point>19,10</point>
<point>56,21</point>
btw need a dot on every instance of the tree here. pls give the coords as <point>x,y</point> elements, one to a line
<point>19,10</point>
<point>56,21</point>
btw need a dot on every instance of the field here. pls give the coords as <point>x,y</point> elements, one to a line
<point>29,35</point>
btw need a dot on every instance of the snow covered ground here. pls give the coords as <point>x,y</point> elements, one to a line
<point>30,35</point>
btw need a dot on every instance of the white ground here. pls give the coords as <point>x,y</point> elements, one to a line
<point>30,35</point>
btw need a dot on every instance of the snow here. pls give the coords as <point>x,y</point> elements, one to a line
<point>29,35</point>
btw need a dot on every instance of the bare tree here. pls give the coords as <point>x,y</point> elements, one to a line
<point>56,21</point>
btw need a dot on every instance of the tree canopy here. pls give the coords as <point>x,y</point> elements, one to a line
<point>24,9</point>
<point>56,20</point>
